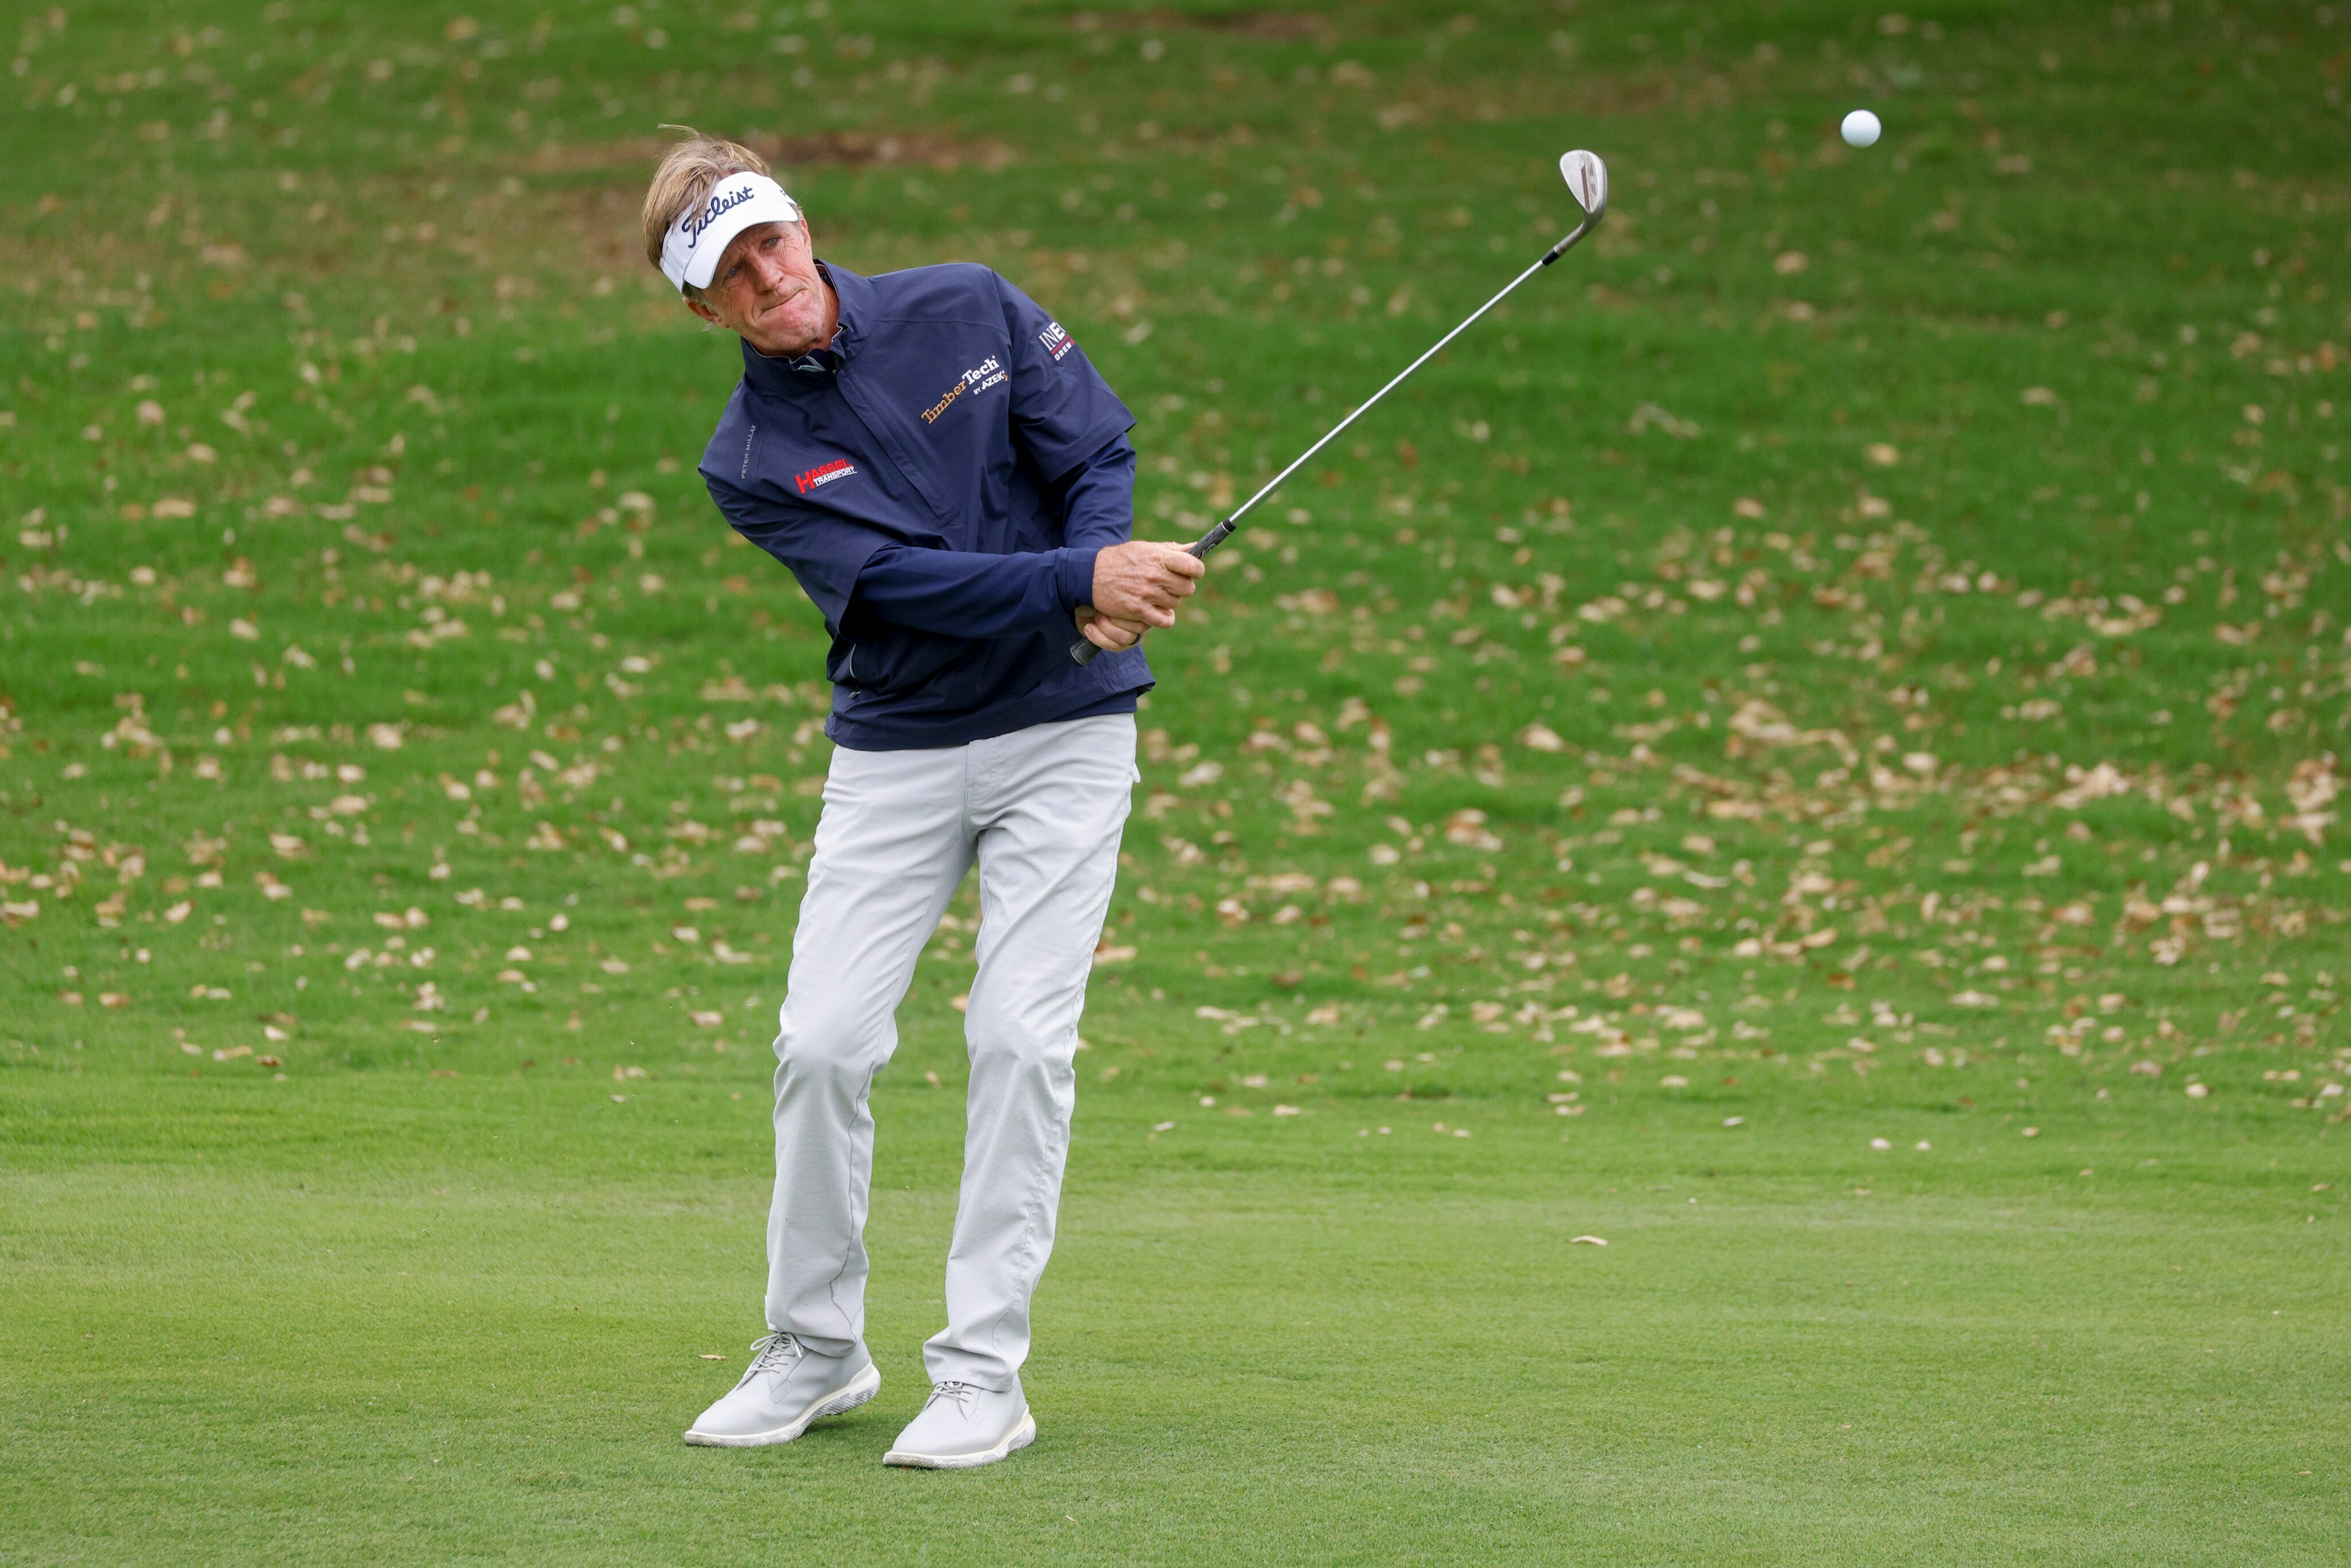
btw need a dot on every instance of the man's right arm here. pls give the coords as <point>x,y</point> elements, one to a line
<point>826,561</point>
<point>957,593</point>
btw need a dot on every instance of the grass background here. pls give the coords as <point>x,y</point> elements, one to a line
<point>1856,655</point>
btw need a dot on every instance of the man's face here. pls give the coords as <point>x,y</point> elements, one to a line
<point>767,290</point>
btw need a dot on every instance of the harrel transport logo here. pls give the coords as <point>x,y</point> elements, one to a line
<point>825,473</point>
<point>1056,339</point>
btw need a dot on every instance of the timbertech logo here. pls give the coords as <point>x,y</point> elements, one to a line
<point>825,473</point>
<point>988,372</point>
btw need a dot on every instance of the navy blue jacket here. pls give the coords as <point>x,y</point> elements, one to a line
<point>938,481</point>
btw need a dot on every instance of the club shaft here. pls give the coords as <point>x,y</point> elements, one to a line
<point>1084,651</point>
<point>1234,516</point>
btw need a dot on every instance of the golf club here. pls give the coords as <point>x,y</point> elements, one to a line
<point>1587,182</point>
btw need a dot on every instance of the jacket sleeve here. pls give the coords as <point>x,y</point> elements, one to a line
<point>963,595</point>
<point>1097,500</point>
<point>956,594</point>
<point>827,554</point>
<point>1063,412</point>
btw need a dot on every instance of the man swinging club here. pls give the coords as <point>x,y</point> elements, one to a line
<point>950,482</point>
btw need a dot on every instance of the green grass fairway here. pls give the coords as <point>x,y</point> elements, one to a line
<point>368,1319</point>
<point>1805,750</point>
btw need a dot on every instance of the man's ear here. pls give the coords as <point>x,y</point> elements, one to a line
<point>703,309</point>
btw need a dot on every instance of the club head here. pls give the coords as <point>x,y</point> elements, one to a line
<point>1587,182</point>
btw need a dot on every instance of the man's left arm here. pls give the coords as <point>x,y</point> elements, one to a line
<point>1097,500</point>
<point>1073,429</point>
<point>1064,416</point>
<point>1097,508</point>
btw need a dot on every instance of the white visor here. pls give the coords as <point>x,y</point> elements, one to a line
<point>691,249</point>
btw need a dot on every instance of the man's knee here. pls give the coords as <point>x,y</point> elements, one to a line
<point>1029,1033</point>
<point>831,1035</point>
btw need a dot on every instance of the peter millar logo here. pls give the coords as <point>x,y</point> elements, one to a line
<point>824,474</point>
<point>1055,341</point>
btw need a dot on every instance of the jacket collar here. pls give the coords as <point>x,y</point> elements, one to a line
<point>785,377</point>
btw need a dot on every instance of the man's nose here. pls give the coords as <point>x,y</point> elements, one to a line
<point>773,274</point>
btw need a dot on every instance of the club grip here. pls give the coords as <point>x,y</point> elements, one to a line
<point>1081,653</point>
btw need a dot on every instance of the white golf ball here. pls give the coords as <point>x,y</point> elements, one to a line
<point>1860,129</point>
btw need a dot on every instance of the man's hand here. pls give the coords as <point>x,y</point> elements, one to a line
<point>1105,632</point>
<point>1141,583</point>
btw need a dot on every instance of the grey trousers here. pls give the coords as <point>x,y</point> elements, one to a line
<point>1041,811</point>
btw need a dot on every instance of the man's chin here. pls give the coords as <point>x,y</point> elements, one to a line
<point>779,337</point>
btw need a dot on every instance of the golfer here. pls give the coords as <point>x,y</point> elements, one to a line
<point>950,481</point>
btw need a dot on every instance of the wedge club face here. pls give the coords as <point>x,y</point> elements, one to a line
<point>1587,182</point>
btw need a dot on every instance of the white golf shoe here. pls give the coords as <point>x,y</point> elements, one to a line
<point>964,1426</point>
<point>786,1387</point>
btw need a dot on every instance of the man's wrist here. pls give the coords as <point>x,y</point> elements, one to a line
<point>1073,576</point>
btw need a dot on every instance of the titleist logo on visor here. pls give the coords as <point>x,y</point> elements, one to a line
<point>696,222</point>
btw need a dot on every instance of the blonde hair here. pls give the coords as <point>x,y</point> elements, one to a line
<point>686,176</point>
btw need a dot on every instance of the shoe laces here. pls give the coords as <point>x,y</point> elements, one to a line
<point>963,1394</point>
<point>774,1353</point>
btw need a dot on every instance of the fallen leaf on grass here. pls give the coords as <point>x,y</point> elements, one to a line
<point>1587,1240</point>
